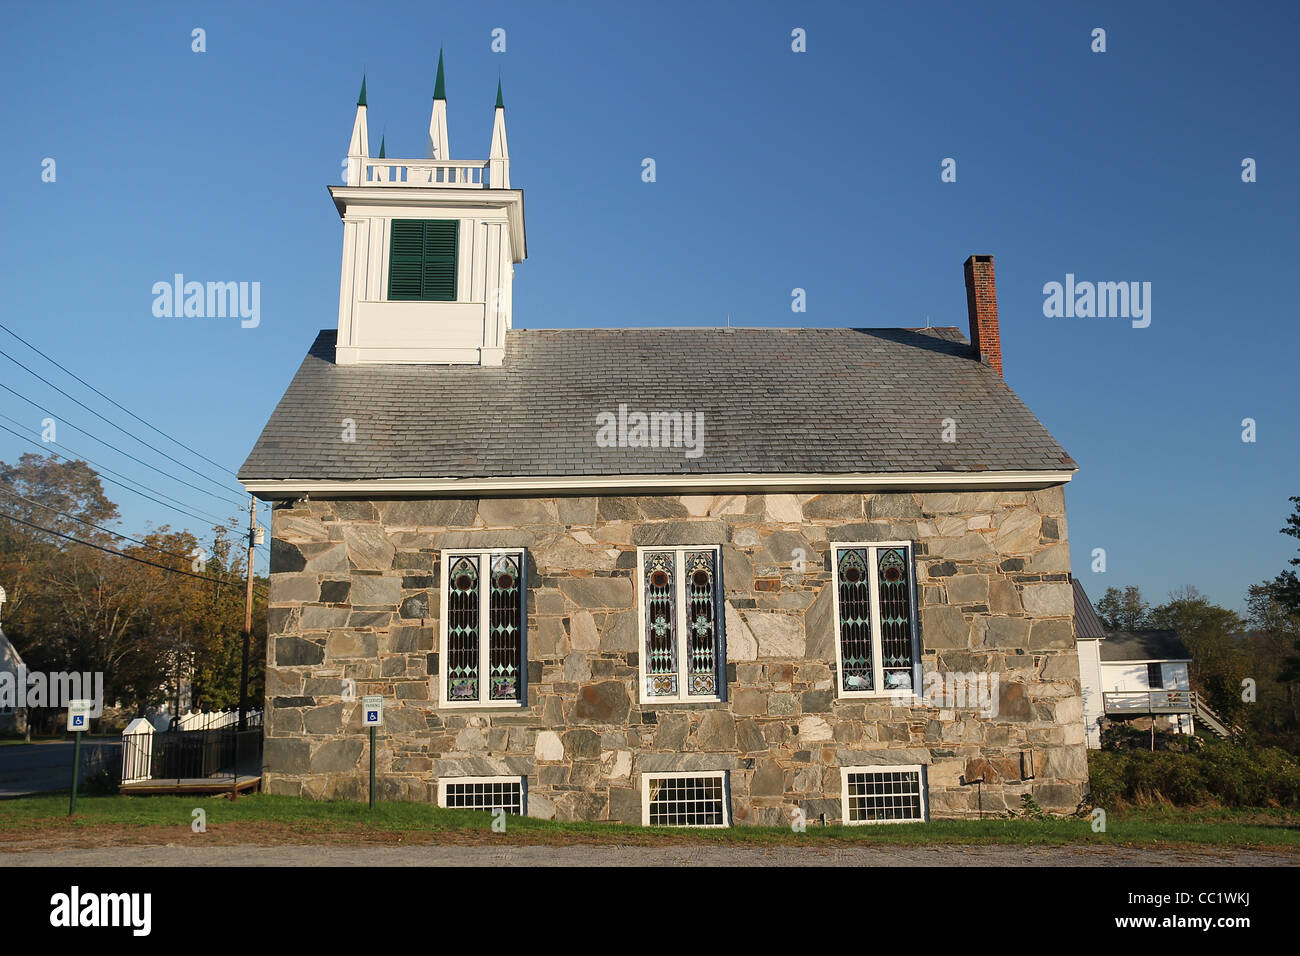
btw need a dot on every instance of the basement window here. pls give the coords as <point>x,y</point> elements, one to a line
<point>681,625</point>
<point>685,799</point>
<point>481,626</point>
<point>484,793</point>
<point>875,619</point>
<point>883,794</point>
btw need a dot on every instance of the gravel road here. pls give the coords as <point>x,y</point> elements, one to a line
<point>179,854</point>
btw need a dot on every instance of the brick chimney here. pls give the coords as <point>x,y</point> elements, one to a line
<point>982,306</point>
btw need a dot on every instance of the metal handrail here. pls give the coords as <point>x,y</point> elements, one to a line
<point>191,754</point>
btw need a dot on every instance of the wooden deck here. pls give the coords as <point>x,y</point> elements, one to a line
<point>243,784</point>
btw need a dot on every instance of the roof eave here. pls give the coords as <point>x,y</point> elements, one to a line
<point>272,488</point>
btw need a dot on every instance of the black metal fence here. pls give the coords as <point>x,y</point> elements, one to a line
<point>192,754</point>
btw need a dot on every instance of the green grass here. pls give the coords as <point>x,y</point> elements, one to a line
<point>29,816</point>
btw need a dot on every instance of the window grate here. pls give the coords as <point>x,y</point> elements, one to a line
<point>886,795</point>
<point>504,793</point>
<point>695,800</point>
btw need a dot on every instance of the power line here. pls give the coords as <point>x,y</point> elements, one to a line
<point>116,534</point>
<point>115,404</point>
<point>103,468</point>
<point>129,557</point>
<point>126,454</point>
<point>109,421</point>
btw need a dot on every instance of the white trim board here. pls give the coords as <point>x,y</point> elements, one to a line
<point>267,488</point>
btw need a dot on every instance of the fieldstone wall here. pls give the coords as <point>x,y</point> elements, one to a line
<point>354,594</point>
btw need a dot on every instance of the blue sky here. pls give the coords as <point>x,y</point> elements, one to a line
<point>775,170</point>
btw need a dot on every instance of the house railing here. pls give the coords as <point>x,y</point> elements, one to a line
<point>467,174</point>
<point>1149,701</point>
<point>149,755</point>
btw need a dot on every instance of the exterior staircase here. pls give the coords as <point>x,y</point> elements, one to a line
<point>1212,721</point>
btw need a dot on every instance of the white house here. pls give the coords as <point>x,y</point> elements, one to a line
<point>1131,674</point>
<point>12,720</point>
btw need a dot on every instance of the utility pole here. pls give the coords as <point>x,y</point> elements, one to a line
<point>253,530</point>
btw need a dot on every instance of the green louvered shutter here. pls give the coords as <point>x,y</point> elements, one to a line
<point>422,261</point>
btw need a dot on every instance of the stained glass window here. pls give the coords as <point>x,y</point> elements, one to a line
<point>875,623</point>
<point>660,618</point>
<point>855,620</point>
<point>701,624</point>
<point>682,640</point>
<point>894,588</point>
<point>462,629</point>
<point>484,629</point>
<point>504,627</point>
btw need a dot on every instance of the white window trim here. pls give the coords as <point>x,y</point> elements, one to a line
<point>877,670</point>
<point>443,783</point>
<point>723,775</point>
<point>883,768</point>
<point>720,659</point>
<point>485,556</point>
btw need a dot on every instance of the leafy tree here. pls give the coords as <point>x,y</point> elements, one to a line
<point>1213,635</point>
<point>1123,611</point>
<point>1271,644</point>
<point>146,627</point>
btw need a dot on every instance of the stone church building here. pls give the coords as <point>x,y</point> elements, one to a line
<point>679,576</point>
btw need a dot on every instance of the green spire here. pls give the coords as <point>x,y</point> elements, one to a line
<point>440,86</point>
<point>381,148</point>
<point>361,100</point>
<point>501,104</point>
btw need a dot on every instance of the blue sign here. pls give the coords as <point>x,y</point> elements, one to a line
<point>372,717</point>
<point>78,720</point>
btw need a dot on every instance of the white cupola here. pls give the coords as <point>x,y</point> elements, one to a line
<point>429,249</point>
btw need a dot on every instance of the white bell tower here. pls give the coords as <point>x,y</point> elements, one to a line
<point>429,249</point>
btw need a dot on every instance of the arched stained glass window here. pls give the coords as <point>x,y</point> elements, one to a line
<point>895,592</point>
<point>701,623</point>
<point>855,620</point>
<point>875,619</point>
<point>683,645</point>
<point>504,627</point>
<point>660,624</point>
<point>462,629</point>
<point>484,652</point>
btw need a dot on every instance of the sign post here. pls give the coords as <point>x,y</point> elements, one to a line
<point>78,718</point>
<point>372,716</point>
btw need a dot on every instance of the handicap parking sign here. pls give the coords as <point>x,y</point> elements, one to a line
<point>78,713</point>
<point>372,711</point>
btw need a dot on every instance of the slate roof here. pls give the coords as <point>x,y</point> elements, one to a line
<point>1086,622</point>
<point>825,401</point>
<point>1143,646</point>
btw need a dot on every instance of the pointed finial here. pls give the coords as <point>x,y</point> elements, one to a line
<point>361,100</point>
<point>440,85</point>
<point>381,147</point>
<point>501,104</point>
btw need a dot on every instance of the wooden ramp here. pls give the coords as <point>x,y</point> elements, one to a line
<point>199,785</point>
